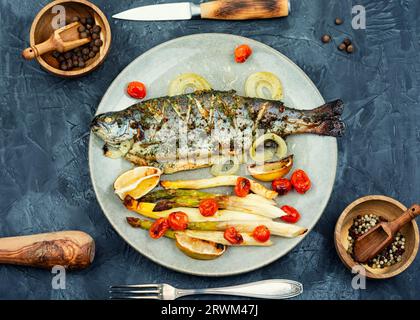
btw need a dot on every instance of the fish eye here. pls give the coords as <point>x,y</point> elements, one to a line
<point>108,119</point>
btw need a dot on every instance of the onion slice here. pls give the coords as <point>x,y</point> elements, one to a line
<point>280,152</point>
<point>218,168</point>
<point>257,82</point>
<point>186,81</point>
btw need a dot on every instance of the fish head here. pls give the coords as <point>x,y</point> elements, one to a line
<point>113,129</point>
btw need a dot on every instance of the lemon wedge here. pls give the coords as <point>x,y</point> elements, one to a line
<point>197,248</point>
<point>137,182</point>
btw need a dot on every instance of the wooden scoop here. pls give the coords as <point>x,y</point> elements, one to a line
<point>380,236</point>
<point>70,249</point>
<point>62,40</point>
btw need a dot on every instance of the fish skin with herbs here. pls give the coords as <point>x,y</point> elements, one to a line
<point>182,132</point>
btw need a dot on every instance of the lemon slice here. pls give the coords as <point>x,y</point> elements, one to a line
<point>137,182</point>
<point>199,249</point>
<point>271,170</point>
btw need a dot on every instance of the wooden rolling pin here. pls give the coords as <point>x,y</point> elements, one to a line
<point>70,249</point>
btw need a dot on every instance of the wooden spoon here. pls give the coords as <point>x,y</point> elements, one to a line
<point>70,249</point>
<point>380,236</point>
<point>62,40</point>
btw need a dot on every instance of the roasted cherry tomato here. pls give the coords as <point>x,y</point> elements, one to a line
<point>261,234</point>
<point>300,181</point>
<point>293,215</point>
<point>242,187</point>
<point>208,207</point>
<point>158,228</point>
<point>178,220</point>
<point>282,186</point>
<point>233,236</point>
<point>242,53</point>
<point>136,90</point>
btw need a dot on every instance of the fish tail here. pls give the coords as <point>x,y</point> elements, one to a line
<point>332,109</point>
<point>329,127</point>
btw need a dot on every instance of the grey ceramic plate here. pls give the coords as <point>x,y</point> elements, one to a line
<point>211,55</point>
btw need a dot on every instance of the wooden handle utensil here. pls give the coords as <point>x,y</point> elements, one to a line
<point>379,237</point>
<point>70,249</point>
<point>62,40</point>
<point>244,9</point>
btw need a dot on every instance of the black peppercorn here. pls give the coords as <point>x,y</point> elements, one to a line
<point>326,38</point>
<point>96,29</point>
<point>98,43</point>
<point>338,21</point>
<point>342,47</point>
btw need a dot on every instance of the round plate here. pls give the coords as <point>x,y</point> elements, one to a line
<point>211,55</point>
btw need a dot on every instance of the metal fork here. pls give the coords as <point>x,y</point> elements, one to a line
<point>267,289</point>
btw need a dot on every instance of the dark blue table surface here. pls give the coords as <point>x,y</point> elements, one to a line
<point>44,175</point>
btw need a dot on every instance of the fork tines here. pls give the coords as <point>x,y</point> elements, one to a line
<point>136,291</point>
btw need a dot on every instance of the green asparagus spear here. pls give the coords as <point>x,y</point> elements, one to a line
<point>146,225</point>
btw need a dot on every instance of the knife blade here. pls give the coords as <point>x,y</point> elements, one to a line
<point>160,12</point>
<point>221,10</point>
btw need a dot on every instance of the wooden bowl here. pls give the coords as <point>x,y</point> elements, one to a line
<point>388,208</point>
<point>42,29</point>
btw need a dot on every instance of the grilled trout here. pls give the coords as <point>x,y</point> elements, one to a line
<point>190,131</point>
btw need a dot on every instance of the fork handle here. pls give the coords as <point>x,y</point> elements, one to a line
<point>266,289</point>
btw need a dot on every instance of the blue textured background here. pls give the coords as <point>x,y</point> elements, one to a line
<point>44,176</point>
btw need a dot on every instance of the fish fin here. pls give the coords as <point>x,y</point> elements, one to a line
<point>111,152</point>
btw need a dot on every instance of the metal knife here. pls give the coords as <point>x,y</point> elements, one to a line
<point>220,10</point>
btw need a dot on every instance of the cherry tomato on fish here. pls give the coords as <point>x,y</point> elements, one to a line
<point>233,236</point>
<point>300,181</point>
<point>242,187</point>
<point>282,186</point>
<point>292,216</point>
<point>208,207</point>
<point>242,53</point>
<point>136,90</point>
<point>178,220</point>
<point>158,228</point>
<point>261,233</point>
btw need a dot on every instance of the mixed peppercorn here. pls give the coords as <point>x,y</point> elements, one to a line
<point>78,57</point>
<point>390,255</point>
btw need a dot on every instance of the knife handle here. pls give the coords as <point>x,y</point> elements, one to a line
<point>70,249</point>
<point>244,9</point>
